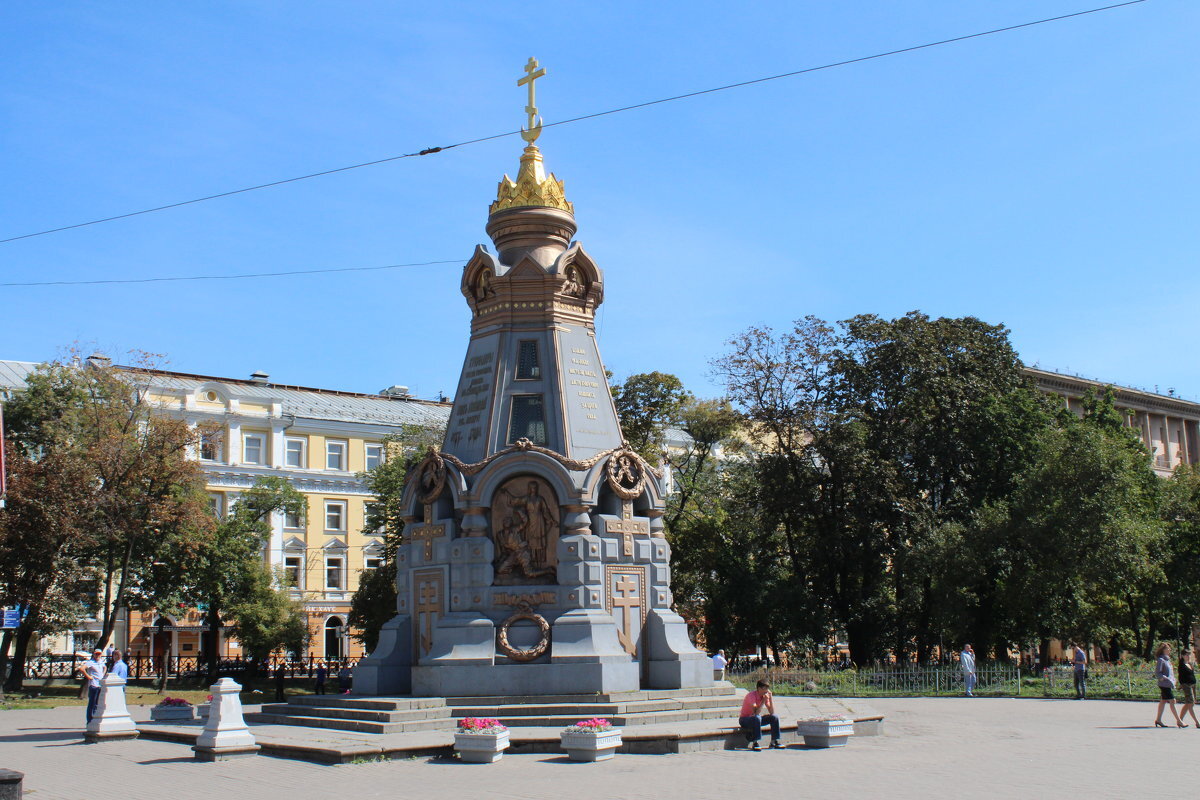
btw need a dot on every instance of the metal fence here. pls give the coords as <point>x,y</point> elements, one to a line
<point>1103,681</point>
<point>188,667</point>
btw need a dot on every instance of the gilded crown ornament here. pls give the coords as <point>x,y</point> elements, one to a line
<point>532,186</point>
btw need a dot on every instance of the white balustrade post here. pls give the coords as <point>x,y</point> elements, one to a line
<point>225,734</point>
<point>111,720</point>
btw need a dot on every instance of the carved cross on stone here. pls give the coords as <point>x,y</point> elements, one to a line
<point>428,532</point>
<point>628,526</point>
<point>628,600</point>
<point>429,605</point>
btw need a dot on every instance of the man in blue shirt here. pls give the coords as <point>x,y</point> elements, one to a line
<point>93,670</point>
<point>119,667</point>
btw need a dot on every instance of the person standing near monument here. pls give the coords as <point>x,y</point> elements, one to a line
<point>119,667</point>
<point>1164,676</point>
<point>966,660</point>
<point>719,665</point>
<point>93,670</point>
<point>1079,659</point>
<point>322,674</point>
<point>752,717</point>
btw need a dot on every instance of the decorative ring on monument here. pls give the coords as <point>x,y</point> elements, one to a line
<point>529,654</point>
<point>626,474</point>
<point>431,477</point>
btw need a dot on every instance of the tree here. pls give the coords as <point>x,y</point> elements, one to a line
<point>374,602</point>
<point>647,405</point>
<point>1079,536</point>
<point>227,575</point>
<point>266,619</point>
<point>874,439</point>
<point>99,440</point>
<point>44,529</point>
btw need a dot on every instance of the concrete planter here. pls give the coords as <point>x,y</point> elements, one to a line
<point>825,733</point>
<point>172,713</point>
<point>481,748</point>
<point>590,746</point>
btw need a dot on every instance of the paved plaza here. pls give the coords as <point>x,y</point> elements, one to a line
<point>930,747</point>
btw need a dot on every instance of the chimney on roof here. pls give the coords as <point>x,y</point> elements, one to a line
<point>395,391</point>
<point>98,359</point>
<point>258,376</point>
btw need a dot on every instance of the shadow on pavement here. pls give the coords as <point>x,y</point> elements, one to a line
<point>67,734</point>
<point>175,760</point>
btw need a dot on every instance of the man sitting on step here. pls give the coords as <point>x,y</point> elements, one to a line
<point>753,718</point>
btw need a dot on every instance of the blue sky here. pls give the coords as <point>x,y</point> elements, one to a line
<point>1045,178</point>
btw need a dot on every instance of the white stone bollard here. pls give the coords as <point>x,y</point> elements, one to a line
<point>225,733</point>
<point>111,720</point>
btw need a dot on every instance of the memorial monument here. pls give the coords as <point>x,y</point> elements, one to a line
<point>533,559</point>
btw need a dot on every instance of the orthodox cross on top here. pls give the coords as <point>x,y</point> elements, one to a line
<point>428,532</point>
<point>533,130</point>
<point>628,526</point>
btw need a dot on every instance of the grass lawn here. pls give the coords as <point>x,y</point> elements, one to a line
<point>68,695</point>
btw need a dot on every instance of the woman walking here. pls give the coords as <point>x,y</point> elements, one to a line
<point>1165,676</point>
<point>1187,684</point>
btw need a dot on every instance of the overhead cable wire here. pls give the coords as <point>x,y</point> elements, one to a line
<point>572,120</point>
<point>100,281</point>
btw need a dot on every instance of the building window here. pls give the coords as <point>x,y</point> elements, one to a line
<point>293,520</point>
<point>528,368</point>
<point>294,452</point>
<point>293,567</point>
<point>372,562</point>
<point>335,515</point>
<point>370,509</point>
<point>253,446</point>
<point>335,454</point>
<point>216,504</point>
<point>210,446</point>
<point>528,419</point>
<point>333,572</point>
<point>373,455</point>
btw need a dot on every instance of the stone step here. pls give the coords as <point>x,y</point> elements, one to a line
<point>720,690</point>
<point>356,725</point>
<point>369,703</point>
<point>723,706</point>
<point>355,713</point>
<point>620,720</point>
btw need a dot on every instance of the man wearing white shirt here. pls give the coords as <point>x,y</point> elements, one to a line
<point>966,660</point>
<point>719,663</point>
<point>93,669</point>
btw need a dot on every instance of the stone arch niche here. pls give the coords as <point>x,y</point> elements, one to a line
<point>526,524</point>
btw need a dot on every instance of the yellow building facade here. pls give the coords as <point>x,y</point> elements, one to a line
<point>321,441</point>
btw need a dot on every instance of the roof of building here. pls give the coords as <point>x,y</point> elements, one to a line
<point>1126,393</point>
<point>300,401</point>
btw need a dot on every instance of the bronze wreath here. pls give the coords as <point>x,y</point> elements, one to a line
<point>626,474</point>
<point>431,477</point>
<point>531,653</point>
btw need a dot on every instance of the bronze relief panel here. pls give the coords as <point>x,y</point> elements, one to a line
<point>525,523</point>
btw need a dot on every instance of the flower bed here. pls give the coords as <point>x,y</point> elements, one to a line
<point>590,740</point>
<point>172,709</point>
<point>832,731</point>
<point>480,740</point>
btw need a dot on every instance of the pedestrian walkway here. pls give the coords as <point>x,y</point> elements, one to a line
<point>930,746</point>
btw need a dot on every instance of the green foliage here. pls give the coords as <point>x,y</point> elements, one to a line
<point>647,405</point>
<point>374,602</point>
<point>102,488</point>
<point>266,619</point>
